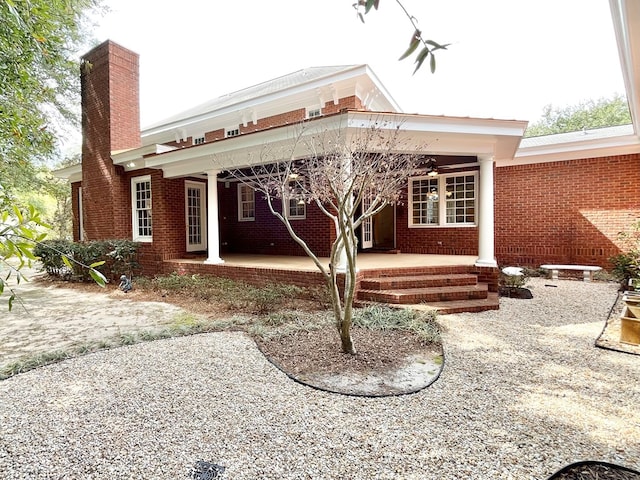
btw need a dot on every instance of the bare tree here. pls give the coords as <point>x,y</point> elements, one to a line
<point>351,175</point>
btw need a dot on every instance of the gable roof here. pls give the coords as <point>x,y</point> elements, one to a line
<point>321,84</point>
<point>285,82</point>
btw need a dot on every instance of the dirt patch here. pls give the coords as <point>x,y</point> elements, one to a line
<point>48,318</point>
<point>59,315</point>
<point>386,363</point>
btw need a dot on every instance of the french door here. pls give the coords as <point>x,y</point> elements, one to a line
<point>195,215</point>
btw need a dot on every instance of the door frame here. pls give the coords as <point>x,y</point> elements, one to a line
<point>203,215</point>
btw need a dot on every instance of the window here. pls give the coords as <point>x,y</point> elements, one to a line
<point>246,203</point>
<point>231,132</point>
<point>461,199</point>
<point>425,201</point>
<point>141,208</point>
<point>297,206</point>
<point>313,112</point>
<point>199,140</point>
<point>443,200</point>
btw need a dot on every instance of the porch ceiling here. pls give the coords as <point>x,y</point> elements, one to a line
<point>419,134</point>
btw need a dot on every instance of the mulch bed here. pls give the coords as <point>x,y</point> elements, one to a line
<point>595,471</point>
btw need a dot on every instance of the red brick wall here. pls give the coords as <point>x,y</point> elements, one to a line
<point>266,234</point>
<point>110,121</point>
<point>565,212</point>
<point>433,240</point>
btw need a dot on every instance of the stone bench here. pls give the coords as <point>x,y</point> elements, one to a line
<point>587,270</point>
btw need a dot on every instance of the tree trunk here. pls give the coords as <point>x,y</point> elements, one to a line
<point>345,337</point>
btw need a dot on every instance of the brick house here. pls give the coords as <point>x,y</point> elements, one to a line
<point>491,194</point>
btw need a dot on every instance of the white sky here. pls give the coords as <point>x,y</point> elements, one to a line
<point>508,58</point>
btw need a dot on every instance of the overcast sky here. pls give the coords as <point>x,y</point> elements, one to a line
<point>508,58</point>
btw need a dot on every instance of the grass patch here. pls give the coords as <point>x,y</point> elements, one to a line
<point>230,294</point>
<point>183,324</point>
<point>380,317</point>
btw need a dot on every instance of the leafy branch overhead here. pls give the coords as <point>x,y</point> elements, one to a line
<point>417,40</point>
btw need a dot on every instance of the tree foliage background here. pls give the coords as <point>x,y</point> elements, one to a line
<point>604,112</point>
<point>39,45</point>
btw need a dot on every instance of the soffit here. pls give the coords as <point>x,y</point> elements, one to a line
<point>419,134</point>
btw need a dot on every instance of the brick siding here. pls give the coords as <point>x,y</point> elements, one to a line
<point>110,121</point>
<point>565,212</point>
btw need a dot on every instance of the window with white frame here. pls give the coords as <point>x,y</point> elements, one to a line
<point>297,207</point>
<point>246,203</point>
<point>141,208</point>
<point>443,200</point>
<point>199,140</point>
<point>313,112</point>
<point>231,132</point>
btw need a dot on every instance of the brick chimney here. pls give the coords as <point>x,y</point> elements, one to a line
<point>110,122</point>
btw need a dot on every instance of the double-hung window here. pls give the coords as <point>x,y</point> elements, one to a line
<point>246,203</point>
<point>443,200</point>
<point>141,208</point>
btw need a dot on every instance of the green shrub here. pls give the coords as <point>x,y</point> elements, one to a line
<point>626,265</point>
<point>270,297</point>
<point>120,257</point>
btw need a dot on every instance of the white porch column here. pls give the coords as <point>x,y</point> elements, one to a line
<point>486,243</point>
<point>341,267</point>
<point>213,247</point>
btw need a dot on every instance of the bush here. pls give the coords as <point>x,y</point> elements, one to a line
<point>626,265</point>
<point>120,257</point>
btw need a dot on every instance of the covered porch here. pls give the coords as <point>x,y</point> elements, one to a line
<point>447,283</point>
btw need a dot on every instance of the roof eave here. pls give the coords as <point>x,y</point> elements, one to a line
<point>626,23</point>
<point>71,174</point>
<point>603,147</point>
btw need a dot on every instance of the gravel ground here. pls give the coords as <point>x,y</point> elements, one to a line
<point>523,393</point>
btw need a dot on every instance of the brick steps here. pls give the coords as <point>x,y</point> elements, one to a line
<point>429,290</point>
<point>447,308</point>
<point>417,281</point>
<point>427,294</point>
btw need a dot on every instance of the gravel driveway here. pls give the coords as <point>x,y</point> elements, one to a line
<point>523,393</point>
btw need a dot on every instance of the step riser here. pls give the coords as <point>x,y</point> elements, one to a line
<point>423,282</point>
<point>444,289</point>
<point>408,298</point>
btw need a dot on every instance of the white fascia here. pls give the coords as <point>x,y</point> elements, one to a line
<point>626,24</point>
<point>134,159</point>
<point>71,174</point>
<point>603,147</point>
<point>449,135</point>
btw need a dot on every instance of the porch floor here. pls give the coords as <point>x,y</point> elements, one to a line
<point>447,283</point>
<point>366,261</point>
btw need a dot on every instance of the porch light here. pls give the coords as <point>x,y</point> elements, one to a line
<point>131,164</point>
<point>433,173</point>
<point>301,202</point>
<point>293,176</point>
